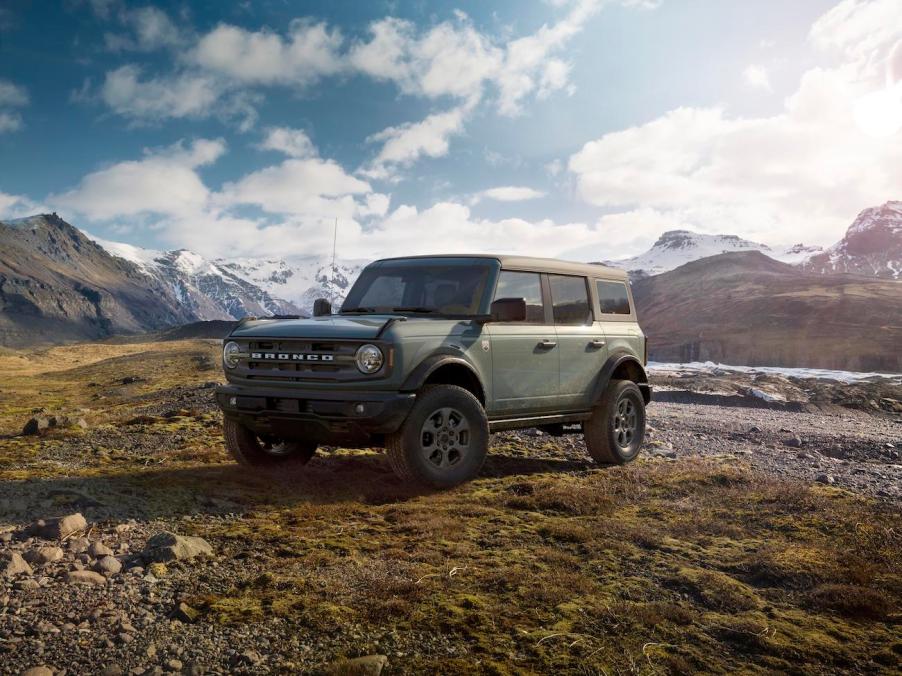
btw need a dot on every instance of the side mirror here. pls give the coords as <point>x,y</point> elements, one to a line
<point>321,307</point>
<point>509,310</point>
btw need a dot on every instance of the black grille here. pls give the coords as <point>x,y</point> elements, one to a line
<point>299,360</point>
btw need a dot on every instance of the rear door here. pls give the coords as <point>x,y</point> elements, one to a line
<point>617,317</point>
<point>581,342</point>
<point>524,354</point>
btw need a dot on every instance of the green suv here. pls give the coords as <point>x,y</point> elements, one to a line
<point>429,355</point>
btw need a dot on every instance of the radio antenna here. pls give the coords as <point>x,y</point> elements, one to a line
<point>334,245</point>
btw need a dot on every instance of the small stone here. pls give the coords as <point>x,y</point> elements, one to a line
<point>754,429</point>
<point>108,564</point>
<point>151,651</point>
<point>111,670</point>
<point>171,547</point>
<point>38,671</point>
<point>98,549</point>
<point>44,555</point>
<point>88,577</point>
<point>54,529</point>
<point>369,665</point>
<point>12,564</point>
<point>793,442</point>
<point>125,637</point>
<point>38,424</point>
<point>78,545</point>
<point>28,584</point>
<point>184,613</point>
<point>174,665</point>
<point>827,479</point>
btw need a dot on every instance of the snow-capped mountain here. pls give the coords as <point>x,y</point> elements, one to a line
<point>206,289</point>
<point>872,245</point>
<point>678,247</point>
<point>233,288</point>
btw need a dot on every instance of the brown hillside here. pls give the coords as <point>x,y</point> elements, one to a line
<point>746,308</point>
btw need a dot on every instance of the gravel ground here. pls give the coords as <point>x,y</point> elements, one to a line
<point>131,622</point>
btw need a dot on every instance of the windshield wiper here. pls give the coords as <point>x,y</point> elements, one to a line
<point>358,309</point>
<point>428,310</point>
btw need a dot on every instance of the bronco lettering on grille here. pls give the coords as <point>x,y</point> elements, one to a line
<point>292,356</point>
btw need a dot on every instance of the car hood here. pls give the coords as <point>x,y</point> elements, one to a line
<point>316,327</point>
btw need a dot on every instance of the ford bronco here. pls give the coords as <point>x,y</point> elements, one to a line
<point>428,355</point>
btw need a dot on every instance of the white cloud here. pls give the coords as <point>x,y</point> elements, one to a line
<point>163,182</point>
<point>291,142</point>
<point>802,174</point>
<point>17,206</point>
<point>308,52</point>
<point>406,143</point>
<point>11,96</point>
<point>509,193</point>
<point>156,98</point>
<point>150,29</point>
<point>756,77</point>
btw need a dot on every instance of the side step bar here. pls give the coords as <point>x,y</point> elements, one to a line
<point>502,424</point>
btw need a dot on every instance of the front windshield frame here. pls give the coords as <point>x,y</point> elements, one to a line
<point>491,267</point>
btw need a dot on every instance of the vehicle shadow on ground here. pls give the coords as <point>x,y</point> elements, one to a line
<point>220,489</point>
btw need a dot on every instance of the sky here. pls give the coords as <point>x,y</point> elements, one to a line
<point>579,129</point>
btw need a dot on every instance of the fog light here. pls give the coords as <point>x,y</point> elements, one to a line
<point>233,401</point>
<point>359,409</point>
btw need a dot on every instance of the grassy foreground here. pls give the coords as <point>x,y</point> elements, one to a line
<point>544,564</point>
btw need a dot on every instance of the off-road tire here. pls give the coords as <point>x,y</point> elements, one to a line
<point>603,442</point>
<point>407,454</point>
<point>249,450</point>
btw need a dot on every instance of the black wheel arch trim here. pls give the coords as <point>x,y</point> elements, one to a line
<point>615,360</point>
<point>418,377</point>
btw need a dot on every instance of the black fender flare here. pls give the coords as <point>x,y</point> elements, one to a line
<point>417,378</point>
<point>615,360</point>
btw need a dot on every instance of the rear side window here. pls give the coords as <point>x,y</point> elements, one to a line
<point>570,298</point>
<point>526,285</point>
<point>613,298</point>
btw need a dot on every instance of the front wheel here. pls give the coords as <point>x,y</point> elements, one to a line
<point>444,440</point>
<point>616,430</point>
<point>248,449</point>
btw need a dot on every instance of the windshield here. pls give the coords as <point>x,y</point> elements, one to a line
<point>427,288</point>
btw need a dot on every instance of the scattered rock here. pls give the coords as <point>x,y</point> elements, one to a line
<point>54,529</point>
<point>38,671</point>
<point>171,547</point>
<point>78,545</point>
<point>184,613</point>
<point>793,442</point>
<point>108,564</point>
<point>37,424</point>
<point>12,564</point>
<point>28,584</point>
<point>128,380</point>
<point>174,665</point>
<point>98,549</point>
<point>369,665</point>
<point>827,479</point>
<point>88,577</point>
<point>44,555</point>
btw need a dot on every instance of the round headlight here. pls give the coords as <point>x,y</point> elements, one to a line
<point>231,353</point>
<point>369,359</point>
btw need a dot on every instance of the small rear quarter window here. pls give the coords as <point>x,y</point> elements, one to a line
<point>613,298</point>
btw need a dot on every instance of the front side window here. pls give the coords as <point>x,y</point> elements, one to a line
<point>570,299</point>
<point>419,289</point>
<point>613,298</point>
<point>525,285</point>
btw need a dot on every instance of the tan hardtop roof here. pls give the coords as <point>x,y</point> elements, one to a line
<point>533,264</point>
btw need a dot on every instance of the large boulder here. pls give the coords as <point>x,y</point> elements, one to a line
<point>167,546</point>
<point>12,564</point>
<point>60,527</point>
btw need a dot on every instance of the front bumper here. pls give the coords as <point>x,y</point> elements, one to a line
<point>326,417</point>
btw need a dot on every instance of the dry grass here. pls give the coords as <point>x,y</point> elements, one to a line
<point>649,568</point>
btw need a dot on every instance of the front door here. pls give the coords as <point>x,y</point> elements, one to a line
<point>524,354</point>
<point>581,341</point>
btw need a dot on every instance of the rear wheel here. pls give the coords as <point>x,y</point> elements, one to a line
<point>249,449</point>
<point>616,430</point>
<point>443,441</point>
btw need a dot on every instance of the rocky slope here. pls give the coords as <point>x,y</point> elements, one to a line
<point>745,308</point>
<point>872,245</point>
<point>58,285</point>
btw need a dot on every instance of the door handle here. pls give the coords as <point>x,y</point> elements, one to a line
<point>596,343</point>
<point>547,344</point>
